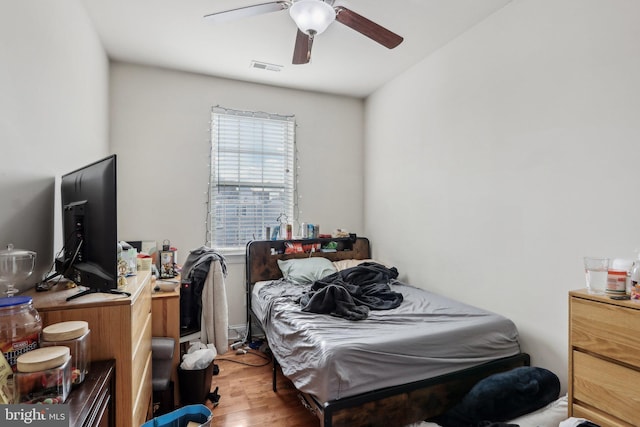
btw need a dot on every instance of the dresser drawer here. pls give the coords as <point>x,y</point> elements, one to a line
<point>139,312</point>
<point>606,329</point>
<point>605,388</point>
<point>598,417</point>
<point>142,352</point>
<point>142,399</point>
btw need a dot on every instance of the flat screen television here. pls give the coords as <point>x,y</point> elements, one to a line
<point>89,227</point>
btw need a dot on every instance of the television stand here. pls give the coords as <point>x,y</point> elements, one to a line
<point>94,291</point>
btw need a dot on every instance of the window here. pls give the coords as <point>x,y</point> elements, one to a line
<point>252,175</point>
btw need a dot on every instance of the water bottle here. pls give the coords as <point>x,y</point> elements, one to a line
<point>635,279</point>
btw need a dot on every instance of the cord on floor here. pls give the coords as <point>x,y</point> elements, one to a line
<point>244,351</point>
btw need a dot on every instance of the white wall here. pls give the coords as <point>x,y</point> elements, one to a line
<point>160,131</point>
<point>513,151</point>
<point>53,116</point>
<point>516,151</point>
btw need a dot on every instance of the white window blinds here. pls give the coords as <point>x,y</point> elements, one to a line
<point>252,175</point>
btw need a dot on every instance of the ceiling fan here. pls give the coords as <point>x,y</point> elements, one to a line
<point>312,17</point>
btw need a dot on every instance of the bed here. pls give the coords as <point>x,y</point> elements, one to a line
<point>395,367</point>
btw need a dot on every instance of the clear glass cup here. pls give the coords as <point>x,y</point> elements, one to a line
<point>596,270</point>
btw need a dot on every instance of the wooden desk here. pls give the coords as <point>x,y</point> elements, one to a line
<point>92,403</point>
<point>165,312</point>
<point>120,329</point>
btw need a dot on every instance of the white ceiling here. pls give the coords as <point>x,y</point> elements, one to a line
<point>173,34</point>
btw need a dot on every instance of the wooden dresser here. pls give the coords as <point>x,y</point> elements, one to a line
<point>604,359</point>
<point>121,330</point>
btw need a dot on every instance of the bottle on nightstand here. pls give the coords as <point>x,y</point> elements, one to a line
<point>635,279</point>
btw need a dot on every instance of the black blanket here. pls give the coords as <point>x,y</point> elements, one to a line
<point>352,292</point>
<point>503,396</point>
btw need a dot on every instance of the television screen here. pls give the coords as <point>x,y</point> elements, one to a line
<point>89,228</point>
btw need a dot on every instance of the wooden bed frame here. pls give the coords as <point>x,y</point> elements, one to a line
<point>391,406</point>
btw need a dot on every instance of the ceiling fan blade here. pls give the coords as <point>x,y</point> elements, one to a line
<point>302,50</point>
<point>368,28</point>
<point>244,12</point>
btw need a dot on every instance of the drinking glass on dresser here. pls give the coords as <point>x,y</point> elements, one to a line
<point>596,270</point>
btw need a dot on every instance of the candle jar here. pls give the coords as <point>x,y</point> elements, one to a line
<point>20,327</point>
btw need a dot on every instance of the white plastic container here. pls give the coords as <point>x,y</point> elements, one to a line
<point>616,282</point>
<point>74,335</point>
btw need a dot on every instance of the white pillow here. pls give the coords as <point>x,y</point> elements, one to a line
<point>306,270</point>
<point>348,263</point>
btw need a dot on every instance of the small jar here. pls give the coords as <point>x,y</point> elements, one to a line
<point>75,336</point>
<point>20,327</point>
<point>43,376</point>
<point>616,282</point>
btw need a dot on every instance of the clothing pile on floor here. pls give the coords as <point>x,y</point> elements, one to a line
<point>522,397</point>
<point>502,397</point>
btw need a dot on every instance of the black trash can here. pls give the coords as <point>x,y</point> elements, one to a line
<point>195,384</point>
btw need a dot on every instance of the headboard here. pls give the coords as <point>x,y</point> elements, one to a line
<point>262,259</point>
<point>262,255</point>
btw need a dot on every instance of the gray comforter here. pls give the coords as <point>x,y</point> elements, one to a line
<point>425,336</point>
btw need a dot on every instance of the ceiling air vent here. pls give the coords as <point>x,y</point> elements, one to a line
<point>265,66</point>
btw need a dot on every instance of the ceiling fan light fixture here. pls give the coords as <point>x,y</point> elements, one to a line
<point>312,16</point>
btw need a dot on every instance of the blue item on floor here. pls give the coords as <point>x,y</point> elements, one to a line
<point>181,417</point>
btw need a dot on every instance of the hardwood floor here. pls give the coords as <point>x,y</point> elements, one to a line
<point>247,399</point>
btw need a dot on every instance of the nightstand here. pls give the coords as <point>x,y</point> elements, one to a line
<point>604,359</point>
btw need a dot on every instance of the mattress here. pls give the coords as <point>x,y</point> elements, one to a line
<point>332,358</point>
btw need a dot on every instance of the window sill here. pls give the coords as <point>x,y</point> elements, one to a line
<point>234,257</point>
